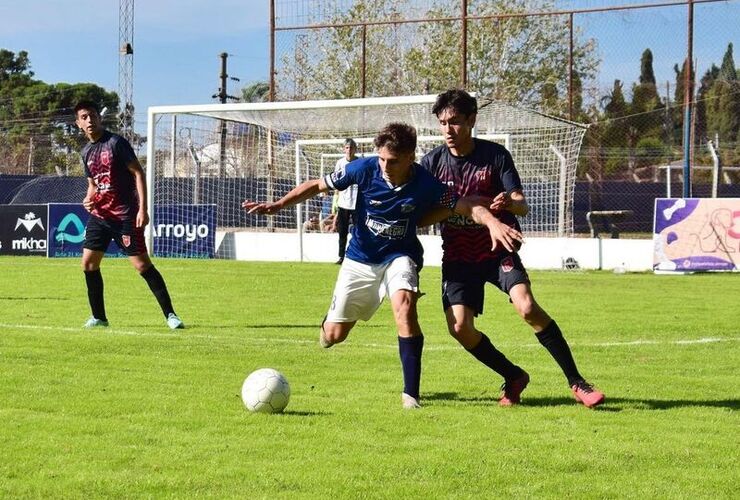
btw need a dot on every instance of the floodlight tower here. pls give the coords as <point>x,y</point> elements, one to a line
<point>126,68</point>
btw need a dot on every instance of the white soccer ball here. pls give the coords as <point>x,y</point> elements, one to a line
<point>266,391</point>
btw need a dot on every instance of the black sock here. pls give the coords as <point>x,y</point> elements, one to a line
<point>159,289</point>
<point>94,282</point>
<point>410,349</point>
<point>552,338</point>
<point>495,359</point>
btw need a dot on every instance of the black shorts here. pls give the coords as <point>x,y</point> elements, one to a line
<point>463,282</point>
<point>99,233</point>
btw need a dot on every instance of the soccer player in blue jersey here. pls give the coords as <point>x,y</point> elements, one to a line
<point>384,256</point>
<point>475,167</point>
<point>116,200</point>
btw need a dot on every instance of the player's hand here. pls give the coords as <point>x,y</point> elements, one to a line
<point>254,207</point>
<point>501,202</point>
<point>502,233</point>
<point>142,219</point>
<point>88,203</point>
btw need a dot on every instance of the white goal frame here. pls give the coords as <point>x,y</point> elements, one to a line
<point>545,150</point>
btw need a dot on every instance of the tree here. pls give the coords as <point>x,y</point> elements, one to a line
<point>37,127</point>
<point>516,59</point>
<point>646,110</point>
<point>256,92</point>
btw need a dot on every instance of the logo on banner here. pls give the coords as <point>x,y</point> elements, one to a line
<point>29,221</point>
<point>76,235</point>
<point>188,231</point>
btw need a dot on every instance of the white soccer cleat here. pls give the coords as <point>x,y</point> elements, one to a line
<point>409,402</point>
<point>174,321</point>
<point>96,323</point>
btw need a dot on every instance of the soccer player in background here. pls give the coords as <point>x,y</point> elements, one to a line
<point>475,167</point>
<point>116,200</point>
<point>345,199</point>
<point>384,256</point>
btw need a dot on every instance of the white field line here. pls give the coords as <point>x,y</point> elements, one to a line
<point>355,340</point>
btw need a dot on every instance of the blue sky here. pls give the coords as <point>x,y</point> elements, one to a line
<point>176,45</point>
<point>177,42</point>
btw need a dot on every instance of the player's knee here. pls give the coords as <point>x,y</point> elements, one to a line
<point>459,329</point>
<point>334,333</point>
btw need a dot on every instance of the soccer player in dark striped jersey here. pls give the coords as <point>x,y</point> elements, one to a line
<point>384,256</point>
<point>474,255</point>
<point>116,200</point>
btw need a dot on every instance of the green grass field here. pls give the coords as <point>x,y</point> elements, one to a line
<point>140,411</point>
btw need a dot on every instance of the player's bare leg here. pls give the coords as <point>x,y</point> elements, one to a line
<point>461,325</point>
<point>334,333</point>
<point>549,335</point>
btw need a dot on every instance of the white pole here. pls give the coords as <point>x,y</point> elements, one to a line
<point>299,206</point>
<point>150,168</point>
<point>562,184</point>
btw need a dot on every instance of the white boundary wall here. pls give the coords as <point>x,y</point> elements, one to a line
<point>537,253</point>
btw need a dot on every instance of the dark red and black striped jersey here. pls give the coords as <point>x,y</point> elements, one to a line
<point>487,171</point>
<point>106,163</point>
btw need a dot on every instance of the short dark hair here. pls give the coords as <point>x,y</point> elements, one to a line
<point>86,104</point>
<point>457,99</point>
<point>397,137</point>
<point>350,142</point>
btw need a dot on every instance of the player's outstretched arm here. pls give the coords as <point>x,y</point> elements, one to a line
<point>476,208</point>
<point>298,194</point>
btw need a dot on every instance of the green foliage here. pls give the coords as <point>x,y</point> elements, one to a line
<point>514,59</point>
<point>36,118</point>
<point>139,411</point>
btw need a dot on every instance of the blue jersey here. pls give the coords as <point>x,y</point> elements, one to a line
<point>387,216</point>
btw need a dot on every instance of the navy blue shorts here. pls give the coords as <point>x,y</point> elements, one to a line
<point>99,233</point>
<point>463,282</point>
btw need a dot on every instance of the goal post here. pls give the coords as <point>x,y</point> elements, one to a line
<point>269,148</point>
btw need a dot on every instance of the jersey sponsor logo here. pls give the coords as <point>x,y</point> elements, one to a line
<point>29,221</point>
<point>392,230</point>
<point>78,234</point>
<point>461,220</point>
<point>190,232</point>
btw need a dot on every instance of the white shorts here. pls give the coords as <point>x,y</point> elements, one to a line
<point>360,288</point>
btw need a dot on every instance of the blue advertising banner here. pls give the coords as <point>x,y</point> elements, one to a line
<point>185,231</point>
<point>67,231</point>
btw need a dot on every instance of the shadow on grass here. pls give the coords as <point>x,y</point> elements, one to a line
<point>614,404</point>
<point>36,298</point>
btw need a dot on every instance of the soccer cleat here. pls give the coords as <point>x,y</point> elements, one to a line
<point>96,323</point>
<point>512,390</point>
<point>174,321</point>
<point>586,394</point>
<point>409,402</point>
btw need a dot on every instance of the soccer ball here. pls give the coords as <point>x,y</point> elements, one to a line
<point>266,391</point>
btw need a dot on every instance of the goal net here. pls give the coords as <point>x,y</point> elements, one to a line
<point>222,154</point>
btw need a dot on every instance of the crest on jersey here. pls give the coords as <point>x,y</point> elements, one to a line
<point>507,265</point>
<point>407,208</point>
<point>126,240</point>
<point>105,158</point>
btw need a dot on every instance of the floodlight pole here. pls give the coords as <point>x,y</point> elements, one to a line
<point>688,92</point>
